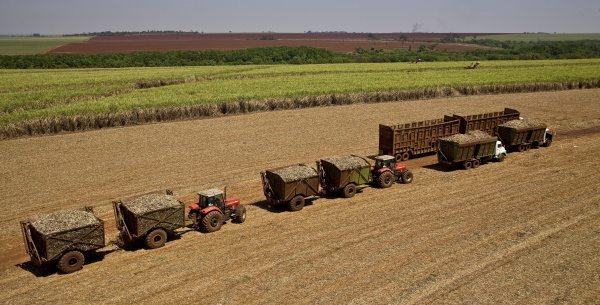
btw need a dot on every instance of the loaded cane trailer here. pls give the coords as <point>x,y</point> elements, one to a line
<point>412,139</point>
<point>344,174</point>
<point>470,149</point>
<point>63,237</point>
<point>149,217</point>
<point>290,185</point>
<point>524,134</point>
<point>486,121</point>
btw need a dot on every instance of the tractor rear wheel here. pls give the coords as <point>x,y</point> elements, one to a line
<point>240,214</point>
<point>385,180</point>
<point>156,239</point>
<point>71,261</point>
<point>212,221</point>
<point>296,204</point>
<point>349,190</point>
<point>407,177</point>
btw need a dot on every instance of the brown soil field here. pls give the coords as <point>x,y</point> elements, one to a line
<point>524,231</point>
<point>334,42</point>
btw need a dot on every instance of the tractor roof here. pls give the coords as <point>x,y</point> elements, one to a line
<point>384,157</point>
<point>210,192</point>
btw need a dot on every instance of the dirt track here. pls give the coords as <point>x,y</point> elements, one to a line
<point>525,230</point>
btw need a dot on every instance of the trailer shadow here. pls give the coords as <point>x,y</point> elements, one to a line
<point>51,268</point>
<point>171,236</point>
<point>282,208</point>
<point>441,167</point>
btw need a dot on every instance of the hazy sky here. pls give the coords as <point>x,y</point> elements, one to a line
<point>513,16</point>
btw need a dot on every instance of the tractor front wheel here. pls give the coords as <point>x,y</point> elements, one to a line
<point>385,180</point>
<point>240,214</point>
<point>212,221</point>
<point>407,177</point>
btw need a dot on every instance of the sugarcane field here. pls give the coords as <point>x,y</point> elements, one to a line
<point>523,228</point>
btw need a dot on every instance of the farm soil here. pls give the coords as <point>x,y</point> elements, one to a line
<point>522,231</point>
<point>342,42</point>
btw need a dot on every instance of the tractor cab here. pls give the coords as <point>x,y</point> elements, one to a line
<point>211,197</point>
<point>387,162</point>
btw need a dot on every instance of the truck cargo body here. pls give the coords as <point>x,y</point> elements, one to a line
<point>524,138</point>
<point>279,190</point>
<point>335,177</point>
<point>487,121</point>
<point>44,248</point>
<point>134,226</point>
<point>405,140</point>
<point>470,154</point>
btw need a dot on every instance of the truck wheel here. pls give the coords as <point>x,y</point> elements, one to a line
<point>296,204</point>
<point>522,148</point>
<point>212,221</point>
<point>240,214</point>
<point>405,156</point>
<point>467,165</point>
<point>548,143</point>
<point>156,239</point>
<point>385,180</point>
<point>349,191</point>
<point>71,261</point>
<point>501,158</point>
<point>476,163</point>
<point>407,177</point>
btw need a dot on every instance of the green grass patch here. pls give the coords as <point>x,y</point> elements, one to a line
<point>34,45</point>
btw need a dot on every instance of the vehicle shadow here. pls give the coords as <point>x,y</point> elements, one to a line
<point>50,268</point>
<point>441,167</point>
<point>281,208</point>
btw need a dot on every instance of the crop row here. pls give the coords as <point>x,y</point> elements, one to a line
<point>50,94</point>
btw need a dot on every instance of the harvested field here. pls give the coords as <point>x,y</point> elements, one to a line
<point>342,42</point>
<point>524,231</point>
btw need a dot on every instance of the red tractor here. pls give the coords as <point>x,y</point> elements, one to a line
<point>386,171</point>
<point>213,209</point>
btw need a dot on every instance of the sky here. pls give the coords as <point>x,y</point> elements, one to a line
<point>55,17</point>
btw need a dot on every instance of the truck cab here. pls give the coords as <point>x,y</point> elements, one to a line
<point>500,151</point>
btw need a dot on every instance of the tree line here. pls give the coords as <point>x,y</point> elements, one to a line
<point>306,55</point>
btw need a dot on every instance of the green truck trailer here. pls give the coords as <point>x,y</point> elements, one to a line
<point>524,134</point>
<point>470,149</point>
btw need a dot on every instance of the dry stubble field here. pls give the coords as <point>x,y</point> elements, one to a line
<point>523,231</point>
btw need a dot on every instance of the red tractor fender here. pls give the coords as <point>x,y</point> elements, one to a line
<point>400,167</point>
<point>210,209</point>
<point>232,202</point>
<point>384,169</point>
<point>194,207</point>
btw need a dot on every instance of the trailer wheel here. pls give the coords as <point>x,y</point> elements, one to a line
<point>476,163</point>
<point>385,180</point>
<point>71,261</point>
<point>296,204</point>
<point>212,221</point>
<point>522,148</point>
<point>467,165</point>
<point>349,191</point>
<point>156,239</point>
<point>240,214</point>
<point>501,158</point>
<point>407,177</point>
